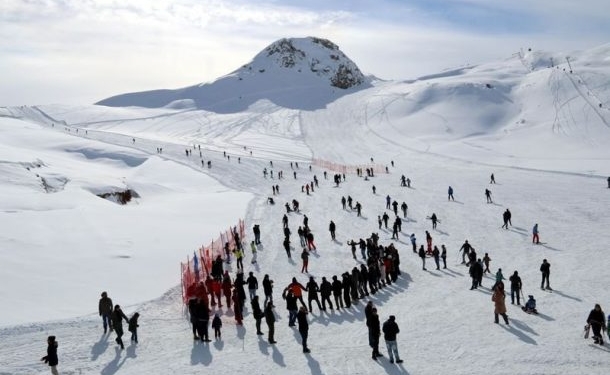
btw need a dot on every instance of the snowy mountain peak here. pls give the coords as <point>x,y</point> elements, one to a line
<point>297,73</point>
<point>316,56</point>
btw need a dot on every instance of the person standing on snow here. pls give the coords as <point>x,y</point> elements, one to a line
<point>434,220</point>
<point>257,234</point>
<point>303,327</point>
<point>486,260</point>
<point>105,310</point>
<point>331,229</point>
<point>488,196</point>
<point>390,330</point>
<point>545,268</point>
<point>413,242</point>
<point>465,249</point>
<point>535,234</point>
<point>436,254</point>
<point>498,299</point>
<point>270,319</point>
<point>404,208</point>
<point>51,357</point>
<point>450,194</point>
<point>374,332</point>
<point>258,314</point>
<point>422,255</point>
<point>388,202</point>
<point>444,256</point>
<point>252,285</point>
<point>515,288</point>
<point>597,321</point>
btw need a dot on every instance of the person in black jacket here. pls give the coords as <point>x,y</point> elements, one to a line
<point>326,289</point>
<point>312,289</point>
<point>270,319</point>
<point>51,357</point>
<point>303,327</point>
<point>390,330</point>
<point>202,314</point>
<point>105,310</point>
<point>597,322</point>
<point>117,323</point>
<point>337,287</point>
<point>545,268</point>
<point>252,282</point>
<point>515,288</point>
<point>258,315</point>
<point>332,227</point>
<point>257,234</point>
<point>133,327</point>
<point>374,332</point>
<point>267,289</point>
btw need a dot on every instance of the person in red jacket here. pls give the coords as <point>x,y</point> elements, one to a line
<point>297,290</point>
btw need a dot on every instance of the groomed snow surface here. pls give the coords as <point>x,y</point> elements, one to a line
<point>540,130</point>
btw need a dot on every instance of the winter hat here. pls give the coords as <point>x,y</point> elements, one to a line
<point>392,317</point>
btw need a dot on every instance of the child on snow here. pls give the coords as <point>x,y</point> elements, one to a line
<point>133,327</point>
<point>216,324</point>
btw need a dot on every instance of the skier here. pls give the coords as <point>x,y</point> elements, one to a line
<point>331,228</point>
<point>450,194</point>
<point>117,323</point>
<point>133,327</point>
<point>105,310</point>
<point>390,330</point>
<point>385,219</point>
<point>358,209</point>
<point>217,324</point>
<point>51,357</point>
<point>303,327</point>
<point>465,249</point>
<point>515,288</point>
<point>597,321</point>
<point>428,242</point>
<point>257,314</point>
<point>545,268</point>
<point>535,237</point>
<point>498,299</point>
<point>270,319</point>
<point>488,196</point>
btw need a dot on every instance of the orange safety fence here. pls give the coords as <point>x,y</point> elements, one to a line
<point>199,265</point>
<point>343,168</point>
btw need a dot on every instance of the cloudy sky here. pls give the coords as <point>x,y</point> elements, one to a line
<point>81,51</point>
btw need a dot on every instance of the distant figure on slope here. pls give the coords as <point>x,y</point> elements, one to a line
<point>535,234</point>
<point>492,179</point>
<point>506,218</point>
<point>404,208</point>
<point>388,202</point>
<point>545,269</point>
<point>515,288</point>
<point>133,327</point>
<point>434,220</point>
<point>488,196</point>
<point>217,325</point>
<point>331,229</point>
<point>450,194</point>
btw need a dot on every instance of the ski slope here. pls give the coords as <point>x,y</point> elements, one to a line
<point>540,130</point>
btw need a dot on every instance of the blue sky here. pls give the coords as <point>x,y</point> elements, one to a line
<point>78,52</point>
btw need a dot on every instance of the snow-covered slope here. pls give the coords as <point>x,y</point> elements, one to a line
<point>538,128</point>
<point>302,73</point>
